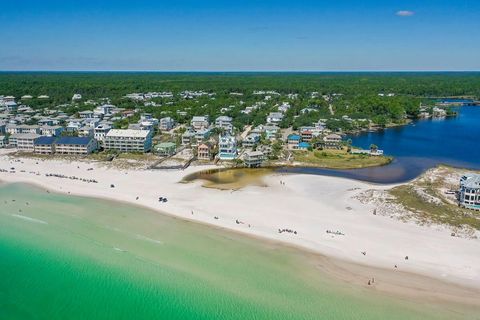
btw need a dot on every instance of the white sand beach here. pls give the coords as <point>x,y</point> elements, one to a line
<point>307,204</point>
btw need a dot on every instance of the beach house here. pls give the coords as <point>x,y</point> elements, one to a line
<point>469,192</point>
<point>271,131</point>
<point>200,122</point>
<point>293,140</point>
<point>188,138</point>
<point>165,149</point>
<point>304,146</point>
<point>331,141</point>
<point>205,151</point>
<point>251,140</point>
<point>253,159</point>
<point>225,123</point>
<point>227,147</point>
<point>166,124</point>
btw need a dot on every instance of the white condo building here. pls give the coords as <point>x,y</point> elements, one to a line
<point>128,140</point>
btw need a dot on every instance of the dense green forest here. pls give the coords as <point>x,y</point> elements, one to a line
<point>355,95</point>
<point>60,86</point>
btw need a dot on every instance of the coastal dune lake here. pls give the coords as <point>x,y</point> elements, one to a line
<point>416,147</point>
<point>66,257</point>
<point>424,144</point>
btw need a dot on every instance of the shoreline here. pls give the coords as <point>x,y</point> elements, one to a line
<point>433,288</point>
<point>402,285</point>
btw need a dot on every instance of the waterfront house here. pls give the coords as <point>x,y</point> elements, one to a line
<point>308,133</point>
<point>253,159</point>
<point>166,124</point>
<point>439,112</point>
<point>469,193</point>
<point>331,141</point>
<point>166,149</point>
<point>227,147</point>
<point>267,150</point>
<point>75,145</point>
<point>200,122</point>
<point>271,131</point>
<point>293,140</point>
<point>126,140</point>
<point>304,146</point>
<point>202,135</point>
<point>225,123</point>
<point>251,140</point>
<point>44,145</point>
<point>205,151</point>
<point>188,138</point>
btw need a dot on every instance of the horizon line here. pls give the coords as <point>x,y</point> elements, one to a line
<point>249,71</point>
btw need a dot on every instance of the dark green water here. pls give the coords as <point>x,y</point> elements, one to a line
<point>65,257</point>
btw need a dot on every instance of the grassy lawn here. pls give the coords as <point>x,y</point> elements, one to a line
<point>339,159</point>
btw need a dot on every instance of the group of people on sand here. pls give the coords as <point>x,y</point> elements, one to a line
<point>62,176</point>
<point>338,233</point>
<point>287,230</point>
<point>282,182</point>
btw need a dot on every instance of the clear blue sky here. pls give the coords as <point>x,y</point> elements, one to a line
<point>240,35</point>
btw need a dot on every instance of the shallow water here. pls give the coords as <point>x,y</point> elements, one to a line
<point>230,179</point>
<point>65,257</point>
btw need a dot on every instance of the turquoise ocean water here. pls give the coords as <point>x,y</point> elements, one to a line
<point>66,257</point>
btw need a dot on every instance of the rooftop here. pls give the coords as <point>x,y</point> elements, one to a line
<point>25,135</point>
<point>128,133</point>
<point>471,180</point>
<point>73,140</point>
<point>45,140</point>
